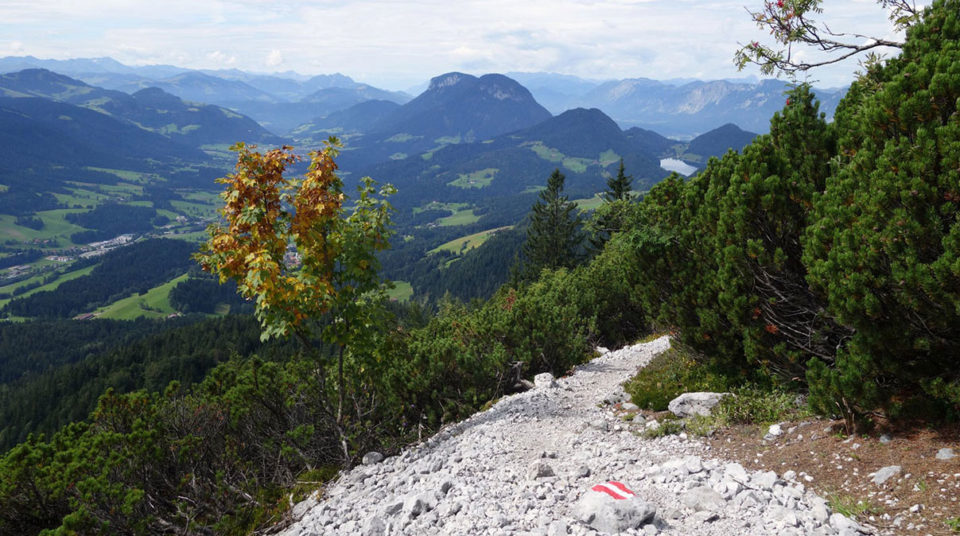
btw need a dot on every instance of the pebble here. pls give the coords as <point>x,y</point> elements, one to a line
<point>526,466</point>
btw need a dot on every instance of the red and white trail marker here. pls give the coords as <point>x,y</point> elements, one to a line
<point>615,489</point>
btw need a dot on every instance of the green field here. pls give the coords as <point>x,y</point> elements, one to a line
<point>192,236</point>
<point>401,291</point>
<point>129,176</point>
<point>460,213</point>
<point>195,209</point>
<point>401,137</point>
<point>84,197</point>
<point>55,226</point>
<point>477,179</point>
<point>608,157</point>
<point>121,189</point>
<point>574,164</point>
<point>589,203</point>
<point>220,151</point>
<point>201,196</point>
<point>466,243</point>
<point>433,205</point>
<point>460,217</point>
<point>154,304</point>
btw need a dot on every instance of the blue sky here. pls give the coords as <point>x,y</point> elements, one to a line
<point>400,43</point>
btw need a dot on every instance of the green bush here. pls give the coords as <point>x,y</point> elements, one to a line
<point>674,372</point>
<point>667,427</point>
<point>757,405</point>
<point>883,244</point>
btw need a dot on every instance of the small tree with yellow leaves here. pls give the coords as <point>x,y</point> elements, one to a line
<point>306,259</point>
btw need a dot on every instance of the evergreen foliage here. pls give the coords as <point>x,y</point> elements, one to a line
<point>553,237</point>
<point>763,213</point>
<point>884,241</point>
<point>618,187</point>
<point>611,217</point>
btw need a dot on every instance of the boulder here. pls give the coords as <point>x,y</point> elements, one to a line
<point>689,404</point>
<point>614,510</point>
<point>544,381</point>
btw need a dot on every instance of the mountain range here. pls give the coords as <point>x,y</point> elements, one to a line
<point>480,142</point>
<point>282,102</point>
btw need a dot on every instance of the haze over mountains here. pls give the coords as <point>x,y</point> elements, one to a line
<point>283,101</point>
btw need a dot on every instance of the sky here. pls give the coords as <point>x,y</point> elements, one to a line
<point>397,44</point>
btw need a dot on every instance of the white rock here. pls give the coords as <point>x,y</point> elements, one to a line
<point>557,528</point>
<point>844,524</point>
<point>736,472</point>
<point>945,454</point>
<point>765,480</point>
<point>774,431</point>
<point>539,469</point>
<point>700,403</point>
<point>606,514</point>
<point>545,381</point>
<point>885,473</point>
<point>703,498</point>
<point>372,458</point>
<point>820,512</point>
<point>374,527</point>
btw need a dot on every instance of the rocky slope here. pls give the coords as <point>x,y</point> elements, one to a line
<point>528,464</point>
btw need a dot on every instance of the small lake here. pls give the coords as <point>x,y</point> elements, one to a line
<point>681,167</point>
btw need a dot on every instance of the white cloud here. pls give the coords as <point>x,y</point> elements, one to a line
<point>221,58</point>
<point>399,43</point>
<point>274,59</point>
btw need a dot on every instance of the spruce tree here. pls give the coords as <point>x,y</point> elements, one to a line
<point>554,237</point>
<point>618,188</point>
<point>610,217</point>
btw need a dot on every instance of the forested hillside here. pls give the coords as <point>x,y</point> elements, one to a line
<point>134,269</point>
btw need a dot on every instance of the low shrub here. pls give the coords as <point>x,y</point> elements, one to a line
<point>757,405</point>
<point>674,372</point>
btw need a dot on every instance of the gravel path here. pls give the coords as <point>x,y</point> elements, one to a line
<point>523,466</point>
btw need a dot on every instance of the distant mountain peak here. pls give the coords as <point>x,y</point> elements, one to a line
<point>156,97</point>
<point>448,80</point>
<point>502,87</point>
<point>42,75</point>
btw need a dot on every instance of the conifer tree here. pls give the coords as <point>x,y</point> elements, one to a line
<point>618,188</point>
<point>610,217</point>
<point>554,238</point>
<point>883,243</point>
<point>763,213</point>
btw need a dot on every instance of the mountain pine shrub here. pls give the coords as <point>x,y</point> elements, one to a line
<point>883,245</point>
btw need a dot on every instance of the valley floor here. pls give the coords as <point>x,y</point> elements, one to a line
<point>491,473</point>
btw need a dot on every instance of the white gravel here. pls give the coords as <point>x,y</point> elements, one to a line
<point>490,475</point>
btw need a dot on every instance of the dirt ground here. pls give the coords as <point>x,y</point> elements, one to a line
<point>924,498</point>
